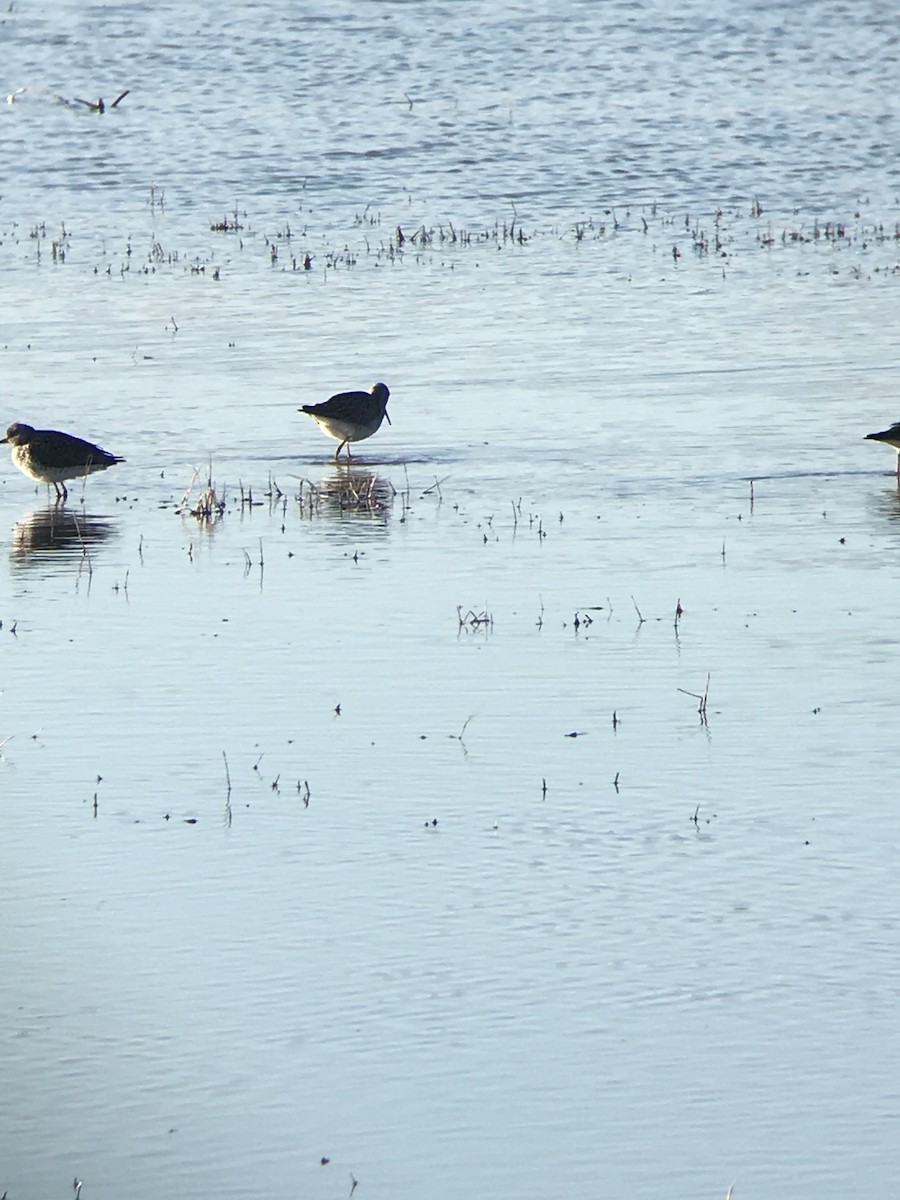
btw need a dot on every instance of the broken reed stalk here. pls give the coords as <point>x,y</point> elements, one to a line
<point>436,487</point>
<point>187,491</point>
<point>474,620</point>
<point>461,736</point>
<point>702,699</point>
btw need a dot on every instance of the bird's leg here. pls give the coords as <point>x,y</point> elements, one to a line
<point>339,449</point>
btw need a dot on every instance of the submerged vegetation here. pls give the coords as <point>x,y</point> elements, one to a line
<point>234,239</point>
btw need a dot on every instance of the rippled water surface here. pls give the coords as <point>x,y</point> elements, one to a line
<point>510,812</point>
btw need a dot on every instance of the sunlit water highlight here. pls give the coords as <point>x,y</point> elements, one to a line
<point>373,819</point>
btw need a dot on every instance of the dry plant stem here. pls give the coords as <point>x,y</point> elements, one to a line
<point>473,619</point>
<point>436,487</point>
<point>187,491</point>
<point>702,699</point>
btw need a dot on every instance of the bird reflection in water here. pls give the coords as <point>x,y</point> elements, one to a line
<point>58,536</point>
<point>350,492</point>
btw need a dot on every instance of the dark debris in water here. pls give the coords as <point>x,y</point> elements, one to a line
<point>717,234</point>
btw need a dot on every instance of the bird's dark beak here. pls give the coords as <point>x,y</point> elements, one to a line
<point>385,413</point>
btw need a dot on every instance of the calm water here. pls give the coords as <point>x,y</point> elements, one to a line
<point>615,262</point>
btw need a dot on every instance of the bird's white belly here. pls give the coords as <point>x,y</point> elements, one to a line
<point>21,456</point>
<point>345,431</point>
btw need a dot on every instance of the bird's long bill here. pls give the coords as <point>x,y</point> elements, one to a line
<point>385,413</point>
<point>4,440</point>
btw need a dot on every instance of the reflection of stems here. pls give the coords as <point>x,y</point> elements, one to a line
<point>84,549</point>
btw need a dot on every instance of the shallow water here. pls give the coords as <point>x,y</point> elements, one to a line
<point>375,820</point>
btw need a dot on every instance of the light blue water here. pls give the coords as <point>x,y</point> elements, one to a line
<point>430,936</point>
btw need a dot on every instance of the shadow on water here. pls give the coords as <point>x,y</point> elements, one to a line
<point>55,534</point>
<point>886,505</point>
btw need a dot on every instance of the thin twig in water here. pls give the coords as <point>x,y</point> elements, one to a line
<point>474,620</point>
<point>436,487</point>
<point>461,736</point>
<point>702,699</point>
<point>84,550</point>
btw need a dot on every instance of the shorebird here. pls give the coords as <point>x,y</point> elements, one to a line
<point>890,437</point>
<point>50,457</point>
<point>351,416</point>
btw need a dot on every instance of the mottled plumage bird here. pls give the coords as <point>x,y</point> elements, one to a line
<point>351,416</point>
<point>890,437</point>
<point>51,457</point>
